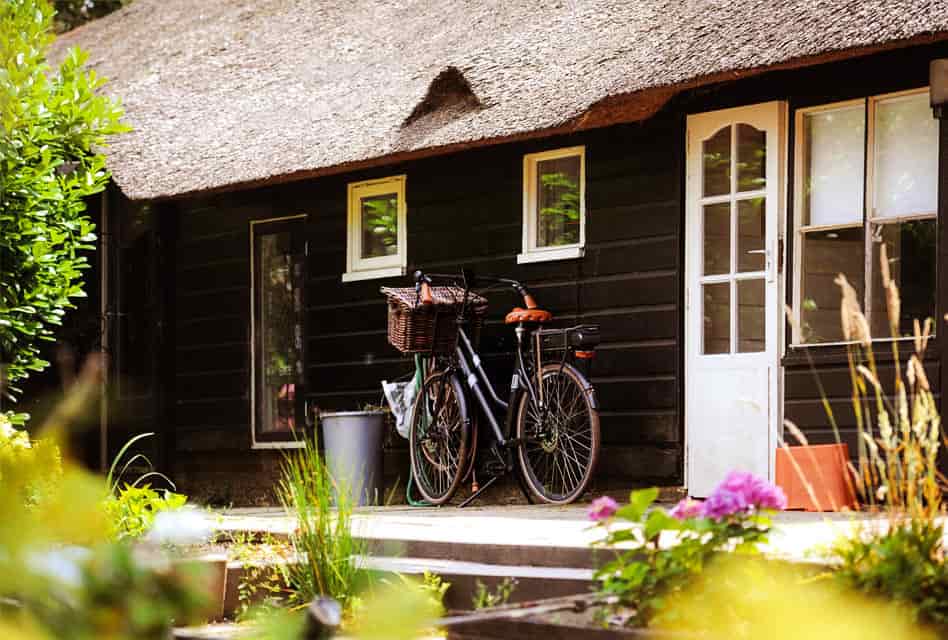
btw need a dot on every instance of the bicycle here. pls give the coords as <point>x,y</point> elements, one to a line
<point>551,419</point>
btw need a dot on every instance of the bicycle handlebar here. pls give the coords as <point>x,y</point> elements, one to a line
<point>423,285</point>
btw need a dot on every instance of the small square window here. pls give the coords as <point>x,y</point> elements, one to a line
<point>376,229</point>
<point>554,209</point>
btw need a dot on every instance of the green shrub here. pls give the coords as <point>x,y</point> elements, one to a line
<point>904,566</point>
<point>323,539</point>
<point>132,508</point>
<point>484,598</point>
<point>132,512</point>
<point>53,125</point>
<point>658,556</point>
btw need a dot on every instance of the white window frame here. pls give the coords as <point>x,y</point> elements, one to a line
<point>868,214</point>
<point>531,252</point>
<point>357,267</point>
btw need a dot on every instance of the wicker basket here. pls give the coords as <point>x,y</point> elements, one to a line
<point>414,327</point>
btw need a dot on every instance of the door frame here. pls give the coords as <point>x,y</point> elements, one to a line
<point>692,254</point>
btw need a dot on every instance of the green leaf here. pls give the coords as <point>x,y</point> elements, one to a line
<point>659,521</point>
<point>639,502</point>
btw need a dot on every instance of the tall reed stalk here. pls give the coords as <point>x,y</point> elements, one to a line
<point>327,552</point>
<point>899,435</point>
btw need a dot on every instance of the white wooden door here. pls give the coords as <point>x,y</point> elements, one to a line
<point>734,169</point>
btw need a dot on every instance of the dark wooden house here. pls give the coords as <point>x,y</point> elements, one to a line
<point>677,172</point>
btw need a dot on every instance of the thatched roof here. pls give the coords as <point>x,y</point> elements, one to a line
<point>228,93</point>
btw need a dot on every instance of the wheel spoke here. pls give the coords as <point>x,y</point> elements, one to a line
<point>558,451</point>
<point>438,439</point>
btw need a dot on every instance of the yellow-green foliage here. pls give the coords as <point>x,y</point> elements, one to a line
<point>755,598</point>
<point>132,512</point>
<point>31,469</point>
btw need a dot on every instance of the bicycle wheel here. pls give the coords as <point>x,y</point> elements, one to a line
<point>559,446</point>
<point>440,438</point>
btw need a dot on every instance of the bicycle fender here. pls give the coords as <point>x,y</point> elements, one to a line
<point>588,390</point>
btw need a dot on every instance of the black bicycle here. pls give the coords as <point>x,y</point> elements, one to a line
<point>547,431</point>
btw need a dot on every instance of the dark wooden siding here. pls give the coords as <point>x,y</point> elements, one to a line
<point>464,209</point>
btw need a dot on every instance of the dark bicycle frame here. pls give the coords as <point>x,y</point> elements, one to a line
<point>467,360</point>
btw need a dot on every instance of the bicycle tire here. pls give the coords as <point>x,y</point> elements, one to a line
<point>437,472</point>
<point>568,441</point>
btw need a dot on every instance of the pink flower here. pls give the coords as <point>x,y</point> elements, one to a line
<point>686,509</point>
<point>723,503</point>
<point>771,497</point>
<point>739,493</point>
<point>602,508</point>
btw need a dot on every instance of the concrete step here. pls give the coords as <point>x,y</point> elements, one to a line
<point>527,555</point>
<point>216,631</point>
<point>531,583</point>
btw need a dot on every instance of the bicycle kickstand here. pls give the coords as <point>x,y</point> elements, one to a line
<point>480,490</point>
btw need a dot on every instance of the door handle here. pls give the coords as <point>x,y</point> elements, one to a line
<point>768,261</point>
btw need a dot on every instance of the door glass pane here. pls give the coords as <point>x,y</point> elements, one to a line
<point>379,225</point>
<point>751,234</point>
<point>825,255</point>
<point>751,158</point>
<point>716,161</point>
<point>717,238</point>
<point>833,166</point>
<point>905,157</point>
<point>558,201</point>
<point>717,317</point>
<point>751,319</point>
<point>278,283</point>
<point>911,251</point>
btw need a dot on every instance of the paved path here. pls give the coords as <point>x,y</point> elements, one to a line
<point>795,534</point>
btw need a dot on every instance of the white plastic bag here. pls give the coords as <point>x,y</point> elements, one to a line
<point>400,397</point>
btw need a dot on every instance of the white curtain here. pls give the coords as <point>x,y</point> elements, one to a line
<point>834,172</point>
<point>905,157</point>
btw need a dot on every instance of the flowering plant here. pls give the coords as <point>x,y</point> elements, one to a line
<point>658,553</point>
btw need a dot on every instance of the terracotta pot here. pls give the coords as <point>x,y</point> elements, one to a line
<point>823,466</point>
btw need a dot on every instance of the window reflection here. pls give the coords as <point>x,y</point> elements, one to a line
<point>558,201</point>
<point>379,225</point>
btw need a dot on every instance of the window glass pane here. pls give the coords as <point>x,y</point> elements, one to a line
<point>379,225</point>
<point>716,154</point>
<point>911,251</point>
<point>751,320</point>
<point>717,238</point>
<point>278,282</point>
<point>717,317</point>
<point>825,255</point>
<point>751,158</point>
<point>751,234</point>
<point>905,157</point>
<point>833,166</point>
<point>558,204</point>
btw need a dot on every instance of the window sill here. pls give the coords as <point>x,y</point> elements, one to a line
<point>546,255</point>
<point>372,274</point>
<point>289,444</point>
<point>837,353</point>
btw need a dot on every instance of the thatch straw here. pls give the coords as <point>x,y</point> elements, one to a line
<point>227,93</point>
